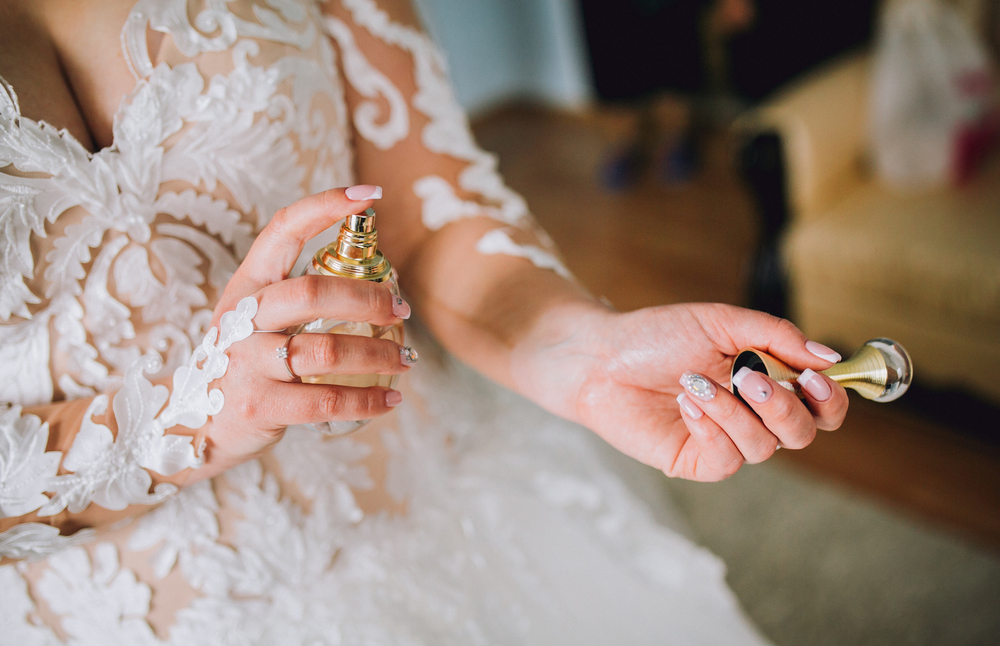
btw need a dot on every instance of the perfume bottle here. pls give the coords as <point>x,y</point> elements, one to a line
<point>355,255</point>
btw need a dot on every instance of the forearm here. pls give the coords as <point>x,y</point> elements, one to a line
<point>486,309</point>
<point>443,195</point>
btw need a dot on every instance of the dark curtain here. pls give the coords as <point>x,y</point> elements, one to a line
<point>792,36</point>
<point>639,47</point>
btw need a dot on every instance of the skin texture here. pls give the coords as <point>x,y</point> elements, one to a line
<point>527,328</point>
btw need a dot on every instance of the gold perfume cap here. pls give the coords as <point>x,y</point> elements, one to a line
<point>881,370</point>
<point>355,254</point>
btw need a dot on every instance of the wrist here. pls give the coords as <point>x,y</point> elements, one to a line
<point>564,346</point>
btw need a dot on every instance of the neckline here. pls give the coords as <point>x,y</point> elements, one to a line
<point>64,133</point>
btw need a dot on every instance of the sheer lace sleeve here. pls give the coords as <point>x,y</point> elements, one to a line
<point>112,436</point>
<point>415,140</point>
<point>113,454</point>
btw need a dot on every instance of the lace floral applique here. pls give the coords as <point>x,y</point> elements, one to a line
<point>97,601</point>
<point>16,626</point>
<point>448,133</point>
<point>29,541</point>
<point>180,525</point>
<point>274,585</point>
<point>218,131</point>
<point>25,467</point>
<point>325,468</point>
<point>111,471</point>
<point>171,17</point>
<point>499,241</point>
<point>371,83</point>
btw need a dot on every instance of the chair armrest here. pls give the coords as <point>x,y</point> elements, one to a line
<point>821,121</point>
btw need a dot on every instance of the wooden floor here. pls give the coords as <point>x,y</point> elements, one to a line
<point>694,243</point>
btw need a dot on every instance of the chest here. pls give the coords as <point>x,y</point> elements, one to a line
<point>124,250</point>
<point>64,57</point>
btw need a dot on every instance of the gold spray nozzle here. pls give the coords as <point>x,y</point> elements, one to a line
<point>881,370</point>
<point>355,254</point>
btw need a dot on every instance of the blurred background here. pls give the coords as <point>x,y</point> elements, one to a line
<point>829,161</point>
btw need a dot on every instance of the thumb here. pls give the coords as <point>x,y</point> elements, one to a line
<point>740,328</point>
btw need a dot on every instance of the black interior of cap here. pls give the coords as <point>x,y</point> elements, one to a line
<point>750,360</point>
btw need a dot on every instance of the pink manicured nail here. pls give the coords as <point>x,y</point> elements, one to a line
<point>364,192</point>
<point>815,386</point>
<point>752,385</point>
<point>699,386</point>
<point>689,407</point>
<point>408,356</point>
<point>393,398</point>
<point>400,309</point>
<point>823,352</point>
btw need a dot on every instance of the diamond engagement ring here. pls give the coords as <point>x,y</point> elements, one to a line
<point>283,356</point>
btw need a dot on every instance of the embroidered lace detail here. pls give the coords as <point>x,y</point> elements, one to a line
<point>171,17</point>
<point>217,132</point>
<point>25,467</point>
<point>502,501</point>
<point>111,471</point>
<point>326,467</point>
<point>371,84</point>
<point>34,540</point>
<point>498,241</point>
<point>448,133</point>
<point>97,600</point>
<point>180,525</point>
<point>16,623</point>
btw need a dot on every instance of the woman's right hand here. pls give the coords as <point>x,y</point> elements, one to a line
<point>261,397</point>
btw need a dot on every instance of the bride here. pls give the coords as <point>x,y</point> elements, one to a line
<point>163,164</point>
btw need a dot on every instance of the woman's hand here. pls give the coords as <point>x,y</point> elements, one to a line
<point>621,375</point>
<point>262,398</point>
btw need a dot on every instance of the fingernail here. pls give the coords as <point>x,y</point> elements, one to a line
<point>752,385</point>
<point>400,309</point>
<point>823,352</point>
<point>815,385</point>
<point>409,356</point>
<point>393,398</point>
<point>699,386</point>
<point>364,192</point>
<point>689,407</point>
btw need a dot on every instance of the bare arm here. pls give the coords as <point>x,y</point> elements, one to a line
<point>488,282</point>
<point>442,197</point>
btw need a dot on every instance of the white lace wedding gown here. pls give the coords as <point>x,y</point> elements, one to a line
<point>468,516</point>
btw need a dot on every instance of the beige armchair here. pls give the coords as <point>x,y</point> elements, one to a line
<point>862,260</point>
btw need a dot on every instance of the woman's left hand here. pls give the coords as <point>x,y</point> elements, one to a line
<point>621,375</point>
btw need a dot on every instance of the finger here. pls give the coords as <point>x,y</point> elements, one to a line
<point>312,355</point>
<point>781,411</point>
<point>754,441</point>
<point>317,403</point>
<point>717,456</point>
<point>277,247</point>
<point>740,328</point>
<point>308,298</point>
<point>826,398</point>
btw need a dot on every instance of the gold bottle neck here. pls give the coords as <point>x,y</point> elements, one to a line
<point>355,254</point>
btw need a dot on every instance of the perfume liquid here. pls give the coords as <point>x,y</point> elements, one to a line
<point>355,255</point>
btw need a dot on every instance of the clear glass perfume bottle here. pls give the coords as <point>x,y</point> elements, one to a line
<point>355,255</point>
